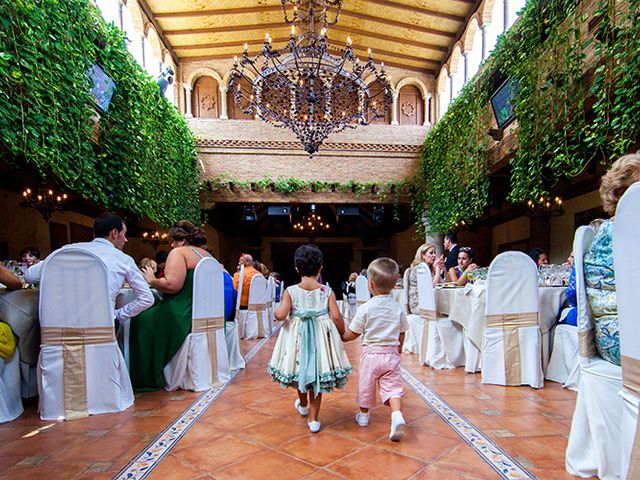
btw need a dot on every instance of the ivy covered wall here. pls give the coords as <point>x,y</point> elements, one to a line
<point>146,163</point>
<point>578,102</point>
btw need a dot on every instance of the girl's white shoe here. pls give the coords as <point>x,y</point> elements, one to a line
<point>304,411</point>
<point>314,426</point>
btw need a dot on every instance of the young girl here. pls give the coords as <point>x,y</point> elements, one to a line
<point>308,354</point>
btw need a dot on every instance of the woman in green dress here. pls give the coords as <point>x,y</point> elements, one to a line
<point>158,333</point>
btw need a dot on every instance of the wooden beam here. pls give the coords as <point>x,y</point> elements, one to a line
<point>227,28</point>
<point>396,23</point>
<point>474,9</point>
<point>389,38</point>
<point>420,10</point>
<point>149,14</point>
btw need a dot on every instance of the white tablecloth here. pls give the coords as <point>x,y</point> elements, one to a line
<point>466,306</point>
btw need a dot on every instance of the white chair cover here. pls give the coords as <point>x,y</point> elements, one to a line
<point>78,375</point>
<point>256,316</point>
<point>626,231</point>
<point>195,366</point>
<point>10,400</point>
<point>236,361</point>
<point>271,299</point>
<point>512,343</point>
<point>362,290</point>
<point>594,440</point>
<point>413,337</point>
<point>564,356</point>
<point>441,339</point>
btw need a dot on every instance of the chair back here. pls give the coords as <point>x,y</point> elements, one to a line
<point>581,241</point>
<point>258,290</point>
<point>362,290</point>
<point>271,290</point>
<point>74,291</point>
<point>405,293</point>
<point>626,232</point>
<point>208,289</point>
<point>426,296</point>
<point>512,285</point>
<point>240,278</point>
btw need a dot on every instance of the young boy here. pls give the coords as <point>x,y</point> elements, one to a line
<point>382,323</point>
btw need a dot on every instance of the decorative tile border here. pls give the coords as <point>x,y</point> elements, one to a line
<point>498,459</point>
<point>142,465</point>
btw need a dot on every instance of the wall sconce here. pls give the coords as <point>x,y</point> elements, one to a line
<point>155,238</point>
<point>45,200</point>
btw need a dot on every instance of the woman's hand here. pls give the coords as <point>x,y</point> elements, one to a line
<point>148,274</point>
<point>471,267</point>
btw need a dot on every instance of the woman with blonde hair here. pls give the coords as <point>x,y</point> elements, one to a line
<point>598,259</point>
<point>426,253</point>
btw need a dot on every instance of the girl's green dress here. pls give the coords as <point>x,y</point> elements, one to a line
<point>157,334</point>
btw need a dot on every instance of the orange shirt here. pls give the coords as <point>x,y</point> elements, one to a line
<point>249,273</point>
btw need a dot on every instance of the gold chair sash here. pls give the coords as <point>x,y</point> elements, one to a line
<point>74,368</point>
<point>631,381</point>
<point>510,324</point>
<point>587,343</point>
<point>361,302</point>
<point>210,325</point>
<point>426,316</point>
<point>259,308</point>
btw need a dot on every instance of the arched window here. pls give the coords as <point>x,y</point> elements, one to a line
<point>205,99</point>
<point>474,57</point>
<point>410,106</point>
<point>444,93</point>
<point>497,25</point>
<point>235,112</point>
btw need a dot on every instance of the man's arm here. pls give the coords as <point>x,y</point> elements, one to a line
<point>144,297</point>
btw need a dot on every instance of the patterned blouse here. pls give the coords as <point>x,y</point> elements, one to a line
<point>601,293</point>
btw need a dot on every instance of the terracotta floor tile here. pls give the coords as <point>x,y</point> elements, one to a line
<point>541,452</point>
<point>276,431</point>
<point>529,425</point>
<point>236,419</point>
<point>464,459</point>
<point>267,463</point>
<point>370,434</point>
<point>218,453</point>
<point>62,472</point>
<point>102,449</point>
<point>153,424</point>
<point>433,424</point>
<point>197,434</point>
<point>376,463</point>
<point>434,472</point>
<point>322,475</point>
<point>322,448</point>
<point>171,468</point>
<point>554,474</point>
<point>421,444</point>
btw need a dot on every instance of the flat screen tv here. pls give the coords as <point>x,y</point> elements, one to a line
<point>102,87</point>
<point>502,102</point>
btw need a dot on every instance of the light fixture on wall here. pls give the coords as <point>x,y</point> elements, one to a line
<point>44,199</point>
<point>155,238</point>
<point>302,86</point>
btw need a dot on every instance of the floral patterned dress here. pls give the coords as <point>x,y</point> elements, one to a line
<point>601,293</point>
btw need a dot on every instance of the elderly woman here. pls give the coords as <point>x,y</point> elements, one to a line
<point>426,253</point>
<point>598,259</point>
<point>158,333</point>
<point>460,274</point>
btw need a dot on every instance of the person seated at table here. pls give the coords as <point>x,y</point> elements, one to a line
<point>110,233</point>
<point>9,279</point>
<point>539,256</point>
<point>599,273</point>
<point>158,333</point>
<point>230,298</point>
<point>426,253</point>
<point>29,256</point>
<point>148,262</point>
<point>249,272</point>
<point>278,282</point>
<point>460,274</point>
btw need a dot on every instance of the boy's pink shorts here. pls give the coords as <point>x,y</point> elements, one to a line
<point>379,365</point>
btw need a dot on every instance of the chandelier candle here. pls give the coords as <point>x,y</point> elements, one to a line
<point>302,86</point>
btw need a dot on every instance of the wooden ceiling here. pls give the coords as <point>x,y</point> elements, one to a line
<point>414,35</point>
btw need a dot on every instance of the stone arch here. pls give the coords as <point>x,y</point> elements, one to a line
<point>204,72</point>
<point>154,42</point>
<point>416,82</point>
<point>455,58</point>
<point>137,17</point>
<point>372,78</point>
<point>470,33</point>
<point>485,12</point>
<point>443,78</point>
<point>227,78</point>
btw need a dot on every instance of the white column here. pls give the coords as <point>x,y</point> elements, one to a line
<point>394,109</point>
<point>450,89</point>
<point>505,21</point>
<point>440,103</point>
<point>224,114</point>
<point>465,65</point>
<point>187,101</point>
<point>427,110</point>
<point>485,47</point>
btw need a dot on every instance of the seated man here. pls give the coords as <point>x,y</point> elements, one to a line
<point>249,273</point>
<point>110,236</point>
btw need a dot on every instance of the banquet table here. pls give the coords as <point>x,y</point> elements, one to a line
<point>466,306</point>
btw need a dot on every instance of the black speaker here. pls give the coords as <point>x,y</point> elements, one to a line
<point>249,214</point>
<point>279,210</point>
<point>346,211</point>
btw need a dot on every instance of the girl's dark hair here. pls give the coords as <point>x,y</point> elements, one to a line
<point>185,230</point>
<point>32,250</point>
<point>469,251</point>
<point>308,260</point>
<point>536,252</point>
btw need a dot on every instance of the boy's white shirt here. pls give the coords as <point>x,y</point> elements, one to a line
<point>380,321</point>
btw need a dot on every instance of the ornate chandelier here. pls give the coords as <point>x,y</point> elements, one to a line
<point>305,88</point>
<point>311,223</point>
<point>45,200</point>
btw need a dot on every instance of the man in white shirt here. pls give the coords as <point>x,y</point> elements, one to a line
<point>110,236</point>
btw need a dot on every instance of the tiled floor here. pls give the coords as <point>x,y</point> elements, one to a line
<point>252,431</point>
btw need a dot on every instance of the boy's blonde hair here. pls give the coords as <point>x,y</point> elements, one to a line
<point>384,272</point>
<point>148,262</point>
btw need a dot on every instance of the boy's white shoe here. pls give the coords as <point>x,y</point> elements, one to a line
<point>362,419</point>
<point>398,426</point>
<point>304,411</point>
<point>314,426</point>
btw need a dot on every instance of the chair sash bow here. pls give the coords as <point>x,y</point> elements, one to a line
<point>210,325</point>
<point>426,316</point>
<point>259,308</point>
